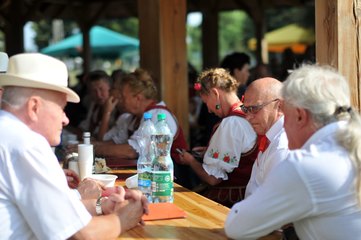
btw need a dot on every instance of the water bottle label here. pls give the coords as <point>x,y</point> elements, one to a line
<point>145,179</point>
<point>162,184</point>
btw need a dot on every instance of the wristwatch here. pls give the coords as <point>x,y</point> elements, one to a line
<point>98,206</point>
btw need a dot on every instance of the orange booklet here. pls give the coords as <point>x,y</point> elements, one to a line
<point>159,211</point>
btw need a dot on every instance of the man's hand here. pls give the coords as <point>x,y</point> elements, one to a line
<point>90,188</point>
<point>131,210</point>
<point>72,178</point>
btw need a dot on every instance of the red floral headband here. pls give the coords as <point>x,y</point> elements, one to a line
<point>197,86</point>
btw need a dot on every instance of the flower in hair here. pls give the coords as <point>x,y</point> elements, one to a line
<point>197,86</point>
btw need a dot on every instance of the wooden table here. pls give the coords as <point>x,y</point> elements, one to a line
<point>205,218</point>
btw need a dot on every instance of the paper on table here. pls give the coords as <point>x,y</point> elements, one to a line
<point>159,211</point>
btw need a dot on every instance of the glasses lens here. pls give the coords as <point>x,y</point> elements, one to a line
<point>244,108</point>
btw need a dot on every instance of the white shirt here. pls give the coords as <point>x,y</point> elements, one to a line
<point>119,132</point>
<point>172,124</point>
<point>35,200</point>
<point>233,137</point>
<point>274,154</point>
<point>313,189</point>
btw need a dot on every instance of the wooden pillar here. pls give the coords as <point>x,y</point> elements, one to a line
<point>86,50</point>
<point>338,41</point>
<point>210,39</point>
<point>162,35</point>
<point>255,9</point>
<point>14,29</point>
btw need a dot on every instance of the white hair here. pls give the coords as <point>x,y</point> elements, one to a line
<point>325,94</point>
<point>16,97</point>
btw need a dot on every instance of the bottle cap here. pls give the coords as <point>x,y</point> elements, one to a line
<point>86,134</point>
<point>161,116</point>
<point>147,115</point>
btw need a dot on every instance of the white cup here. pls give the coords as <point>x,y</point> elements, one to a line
<point>132,181</point>
<point>85,160</point>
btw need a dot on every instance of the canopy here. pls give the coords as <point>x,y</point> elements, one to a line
<point>290,36</point>
<point>103,42</point>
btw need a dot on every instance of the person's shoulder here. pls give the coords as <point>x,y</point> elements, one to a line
<point>17,135</point>
<point>236,121</point>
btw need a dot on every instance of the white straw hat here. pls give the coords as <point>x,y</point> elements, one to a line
<point>35,70</point>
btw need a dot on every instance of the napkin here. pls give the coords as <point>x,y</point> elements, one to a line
<point>160,211</point>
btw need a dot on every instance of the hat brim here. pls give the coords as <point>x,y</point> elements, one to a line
<point>11,80</point>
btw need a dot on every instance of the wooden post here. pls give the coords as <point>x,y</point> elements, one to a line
<point>162,35</point>
<point>86,50</point>
<point>210,39</point>
<point>14,28</point>
<point>338,41</point>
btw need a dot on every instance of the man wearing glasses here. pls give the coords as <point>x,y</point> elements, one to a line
<point>262,106</point>
<point>317,186</point>
<point>263,111</point>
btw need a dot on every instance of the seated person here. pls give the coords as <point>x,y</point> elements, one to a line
<point>317,186</point>
<point>139,95</point>
<point>36,202</point>
<point>232,149</point>
<point>98,85</point>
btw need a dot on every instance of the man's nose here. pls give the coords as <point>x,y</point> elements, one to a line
<point>65,120</point>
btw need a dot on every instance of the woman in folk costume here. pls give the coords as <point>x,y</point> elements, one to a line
<point>232,149</point>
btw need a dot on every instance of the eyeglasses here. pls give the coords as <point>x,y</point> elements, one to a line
<point>255,109</point>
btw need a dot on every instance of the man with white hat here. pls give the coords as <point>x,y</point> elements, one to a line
<point>35,200</point>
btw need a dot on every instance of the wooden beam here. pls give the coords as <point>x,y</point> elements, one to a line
<point>149,38</point>
<point>162,34</point>
<point>210,38</point>
<point>338,43</point>
<point>14,32</point>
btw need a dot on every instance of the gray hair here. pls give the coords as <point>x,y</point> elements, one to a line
<point>16,97</point>
<point>325,94</point>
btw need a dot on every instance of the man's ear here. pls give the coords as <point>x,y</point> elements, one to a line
<point>32,107</point>
<point>303,117</point>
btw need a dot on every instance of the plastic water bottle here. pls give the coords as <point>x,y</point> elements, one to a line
<point>144,163</point>
<point>85,157</point>
<point>162,166</point>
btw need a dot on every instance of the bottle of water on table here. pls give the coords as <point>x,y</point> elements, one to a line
<point>144,163</point>
<point>162,166</point>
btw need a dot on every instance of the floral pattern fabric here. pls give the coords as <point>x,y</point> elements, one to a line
<point>233,137</point>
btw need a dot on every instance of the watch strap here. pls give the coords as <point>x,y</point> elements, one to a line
<point>98,206</point>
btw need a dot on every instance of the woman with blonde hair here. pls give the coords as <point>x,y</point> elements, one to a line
<point>229,156</point>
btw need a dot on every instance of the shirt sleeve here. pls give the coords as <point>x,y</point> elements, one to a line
<point>119,133</point>
<point>40,190</point>
<point>282,198</point>
<point>233,137</point>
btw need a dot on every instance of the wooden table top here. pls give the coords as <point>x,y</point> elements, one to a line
<point>204,220</point>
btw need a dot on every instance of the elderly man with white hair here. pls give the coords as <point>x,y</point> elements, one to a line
<point>317,187</point>
<point>35,200</point>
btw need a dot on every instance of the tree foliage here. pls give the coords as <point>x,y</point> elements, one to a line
<point>235,28</point>
<point>278,17</point>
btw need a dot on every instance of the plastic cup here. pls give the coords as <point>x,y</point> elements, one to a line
<point>132,181</point>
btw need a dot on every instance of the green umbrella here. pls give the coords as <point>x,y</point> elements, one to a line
<point>103,42</point>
